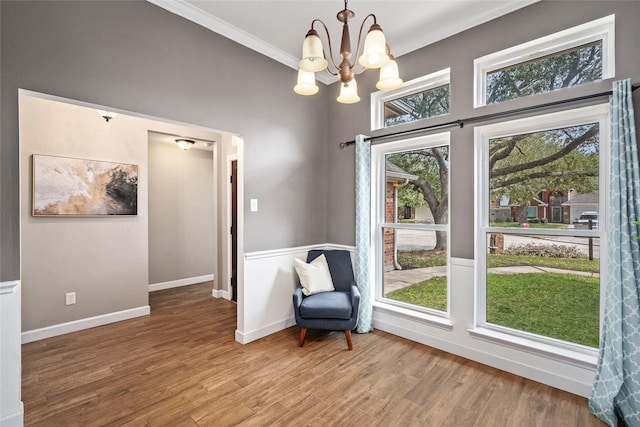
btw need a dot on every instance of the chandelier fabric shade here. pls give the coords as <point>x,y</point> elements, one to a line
<point>376,54</point>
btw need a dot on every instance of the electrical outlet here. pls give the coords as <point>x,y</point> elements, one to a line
<point>69,298</point>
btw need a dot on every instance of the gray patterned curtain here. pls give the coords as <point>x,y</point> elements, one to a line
<point>616,390</point>
<point>363,233</point>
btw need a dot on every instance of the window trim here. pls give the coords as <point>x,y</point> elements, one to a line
<point>600,29</point>
<point>433,80</point>
<point>378,187</point>
<point>482,134</point>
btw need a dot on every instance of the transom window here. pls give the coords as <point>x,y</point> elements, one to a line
<point>411,210</point>
<point>418,99</point>
<point>568,58</point>
<point>540,210</point>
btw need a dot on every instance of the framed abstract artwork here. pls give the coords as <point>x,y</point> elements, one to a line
<point>64,186</point>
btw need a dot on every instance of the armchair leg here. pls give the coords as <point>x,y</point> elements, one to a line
<point>347,333</point>
<point>303,334</point>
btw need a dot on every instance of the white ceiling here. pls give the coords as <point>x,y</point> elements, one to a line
<point>277,28</point>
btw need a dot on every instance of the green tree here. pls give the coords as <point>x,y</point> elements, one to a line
<point>519,165</point>
<point>522,165</point>
<point>431,166</point>
<point>429,103</point>
<point>569,68</point>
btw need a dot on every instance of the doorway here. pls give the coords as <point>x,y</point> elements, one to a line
<point>103,292</point>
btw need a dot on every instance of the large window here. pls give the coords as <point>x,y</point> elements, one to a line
<point>417,99</point>
<point>541,213</point>
<point>572,57</point>
<point>412,217</point>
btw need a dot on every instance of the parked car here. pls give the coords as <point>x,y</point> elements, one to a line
<point>585,218</point>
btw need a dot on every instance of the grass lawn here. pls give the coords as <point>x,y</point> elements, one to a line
<point>421,259</point>
<point>431,293</point>
<point>562,306</point>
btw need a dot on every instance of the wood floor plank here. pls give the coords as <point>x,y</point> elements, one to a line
<point>181,367</point>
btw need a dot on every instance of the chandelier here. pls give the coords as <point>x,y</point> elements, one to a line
<point>375,54</point>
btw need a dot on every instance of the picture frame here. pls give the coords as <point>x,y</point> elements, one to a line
<point>66,186</point>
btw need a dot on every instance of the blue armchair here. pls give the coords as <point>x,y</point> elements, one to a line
<point>336,310</point>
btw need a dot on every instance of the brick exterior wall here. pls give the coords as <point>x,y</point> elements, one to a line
<point>388,233</point>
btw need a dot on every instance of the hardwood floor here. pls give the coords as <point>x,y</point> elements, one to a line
<point>180,366</point>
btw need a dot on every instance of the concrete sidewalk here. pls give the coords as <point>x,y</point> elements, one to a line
<point>398,279</point>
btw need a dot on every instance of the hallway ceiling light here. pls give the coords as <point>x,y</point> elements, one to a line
<point>375,54</point>
<point>185,144</point>
<point>107,115</point>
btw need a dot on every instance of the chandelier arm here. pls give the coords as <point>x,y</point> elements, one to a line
<point>357,55</point>
<point>326,31</point>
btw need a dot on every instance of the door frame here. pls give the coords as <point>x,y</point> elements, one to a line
<point>227,290</point>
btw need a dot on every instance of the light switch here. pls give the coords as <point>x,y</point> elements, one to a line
<point>254,205</point>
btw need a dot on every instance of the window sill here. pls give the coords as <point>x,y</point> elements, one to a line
<point>587,358</point>
<point>418,316</point>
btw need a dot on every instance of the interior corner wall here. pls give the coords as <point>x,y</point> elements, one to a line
<point>102,259</point>
<point>181,213</point>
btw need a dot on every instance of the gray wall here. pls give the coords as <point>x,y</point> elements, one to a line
<point>138,57</point>
<point>181,213</point>
<point>458,52</point>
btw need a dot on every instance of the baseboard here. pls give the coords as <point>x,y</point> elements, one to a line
<point>220,293</point>
<point>81,324</point>
<point>14,420</point>
<point>180,282</point>
<point>245,338</point>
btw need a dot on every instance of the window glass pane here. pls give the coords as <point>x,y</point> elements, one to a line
<point>429,103</point>
<point>545,179</point>
<point>415,270</point>
<point>415,258</point>
<point>545,285</point>
<point>571,67</point>
<point>417,186</point>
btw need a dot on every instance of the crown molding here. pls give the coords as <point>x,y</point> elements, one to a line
<point>194,14</point>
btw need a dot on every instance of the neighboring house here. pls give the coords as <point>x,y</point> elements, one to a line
<point>579,203</point>
<point>396,177</point>
<point>549,206</point>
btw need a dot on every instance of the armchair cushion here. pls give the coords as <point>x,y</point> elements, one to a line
<point>314,276</point>
<point>327,305</point>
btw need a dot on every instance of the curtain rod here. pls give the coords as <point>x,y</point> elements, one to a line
<point>461,122</point>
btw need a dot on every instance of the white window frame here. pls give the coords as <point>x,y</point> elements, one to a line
<point>600,29</point>
<point>378,222</point>
<point>421,84</point>
<point>483,134</point>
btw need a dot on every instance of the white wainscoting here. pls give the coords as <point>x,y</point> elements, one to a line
<point>575,376</point>
<point>180,282</point>
<point>269,282</point>
<point>11,408</point>
<point>78,325</point>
